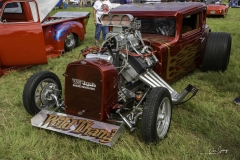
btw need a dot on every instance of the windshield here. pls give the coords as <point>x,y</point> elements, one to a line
<point>162,26</point>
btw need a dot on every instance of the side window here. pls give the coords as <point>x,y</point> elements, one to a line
<point>34,11</point>
<point>14,12</point>
<point>190,22</point>
<point>17,12</point>
<point>13,7</point>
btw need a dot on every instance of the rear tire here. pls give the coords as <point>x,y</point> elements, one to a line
<point>70,42</point>
<point>157,113</point>
<point>217,52</point>
<point>37,90</point>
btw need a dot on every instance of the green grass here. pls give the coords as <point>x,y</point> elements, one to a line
<point>208,121</point>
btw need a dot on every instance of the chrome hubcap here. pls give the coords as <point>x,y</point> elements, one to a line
<point>70,41</point>
<point>163,117</point>
<point>43,93</point>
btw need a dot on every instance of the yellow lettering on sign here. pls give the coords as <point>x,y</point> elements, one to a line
<point>83,127</point>
<point>113,131</point>
<point>79,124</point>
<point>68,123</point>
<point>101,133</point>
<point>86,128</point>
<point>108,136</point>
<point>60,121</point>
<point>93,132</point>
<point>51,119</point>
<point>105,139</point>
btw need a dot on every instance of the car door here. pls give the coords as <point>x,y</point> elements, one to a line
<point>190,42</point>
<point>21,36</point>
<point>184,51</point>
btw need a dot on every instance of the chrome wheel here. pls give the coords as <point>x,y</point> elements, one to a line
<point>42,89</point>
<point>163,117</point>
<point>156,116</point>
<point>42,96</point>
<point>70,42</point>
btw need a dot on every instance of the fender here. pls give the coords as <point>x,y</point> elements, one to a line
<point>60,32</point>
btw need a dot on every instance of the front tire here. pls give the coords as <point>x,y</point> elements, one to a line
<point>217,53</point>
<point>70,42</point>
<point>38,89</point>
<point>157,113</point>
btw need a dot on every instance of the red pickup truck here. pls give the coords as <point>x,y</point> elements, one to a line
<point>29,36</point>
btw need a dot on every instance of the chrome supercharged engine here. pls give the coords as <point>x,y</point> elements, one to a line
<point>127,51</point>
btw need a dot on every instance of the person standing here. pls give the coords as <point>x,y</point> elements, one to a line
<point>100,7</point>
<point>80,3</point>
<point>65,4</point>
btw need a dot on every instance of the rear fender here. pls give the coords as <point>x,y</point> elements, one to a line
<point>63,29</point>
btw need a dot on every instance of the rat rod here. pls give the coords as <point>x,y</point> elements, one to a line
<point>127,79</point>
<point>25,24</point>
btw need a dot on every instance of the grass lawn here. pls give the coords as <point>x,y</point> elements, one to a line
<point>210,121</point>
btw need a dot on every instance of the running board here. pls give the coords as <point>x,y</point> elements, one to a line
<point>91,130</point>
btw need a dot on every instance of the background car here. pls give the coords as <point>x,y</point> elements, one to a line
<point>216,8</point>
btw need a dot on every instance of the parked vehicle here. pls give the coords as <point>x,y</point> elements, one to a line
<point>128,78</point>
<point>29,36</point>
<point>216,8</point>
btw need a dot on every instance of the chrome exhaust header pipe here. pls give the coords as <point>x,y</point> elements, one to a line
<point>147,82</point>
<point>162,82</point>
<point>153,80</point>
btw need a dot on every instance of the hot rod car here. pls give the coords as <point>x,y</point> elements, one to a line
<point>128,78</point>
<point>35,35</point>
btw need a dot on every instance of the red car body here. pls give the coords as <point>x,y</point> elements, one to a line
<point>28,36</point>
<point>217,9</point>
